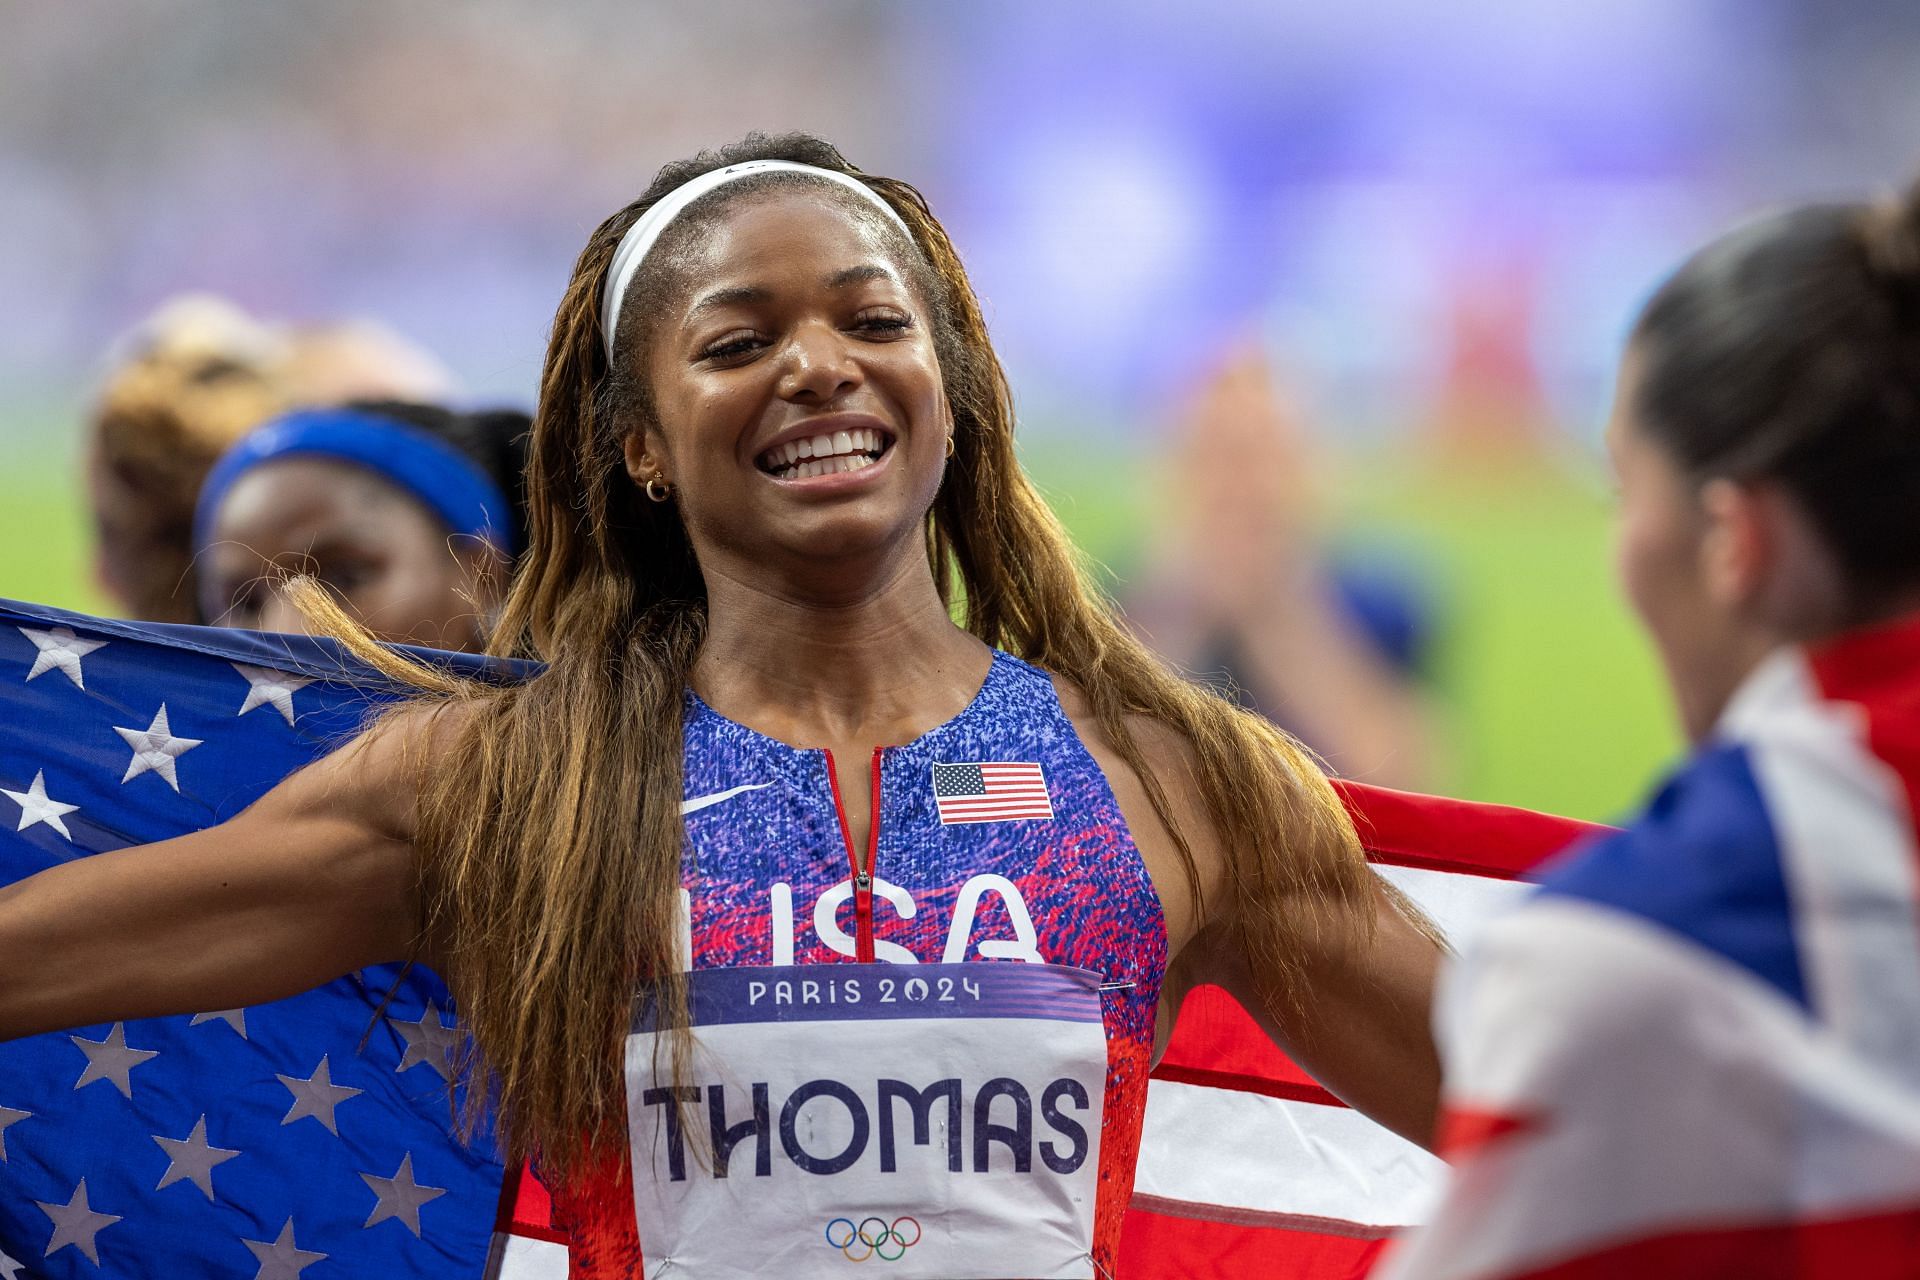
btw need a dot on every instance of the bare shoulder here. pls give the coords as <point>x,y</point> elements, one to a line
<point>373,780</point>
<point>1169,759</point>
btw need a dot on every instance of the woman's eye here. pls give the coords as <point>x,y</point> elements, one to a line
<point>883,322</point>
<point>733,346</point>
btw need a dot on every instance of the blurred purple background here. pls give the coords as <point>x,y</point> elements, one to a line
<point>1375,186</point>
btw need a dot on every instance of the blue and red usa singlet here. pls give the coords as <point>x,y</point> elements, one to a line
<point>864,1088</point>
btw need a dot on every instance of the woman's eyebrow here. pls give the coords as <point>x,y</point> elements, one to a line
<point>727,298</point>
<point>859,275</point>
<point>747,293</point>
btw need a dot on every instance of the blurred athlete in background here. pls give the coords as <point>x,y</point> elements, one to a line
<point>1242,588</point>
<point>1696,1052</point>
<point>189,382</point>
<point>409,515</point>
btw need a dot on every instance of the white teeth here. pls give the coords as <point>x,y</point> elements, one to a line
<point>824,454</point>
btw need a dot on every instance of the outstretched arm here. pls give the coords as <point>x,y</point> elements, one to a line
<point>315,879</point>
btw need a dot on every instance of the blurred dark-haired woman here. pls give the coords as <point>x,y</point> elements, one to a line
<point>1697,1051</point>
<point>408,514</point>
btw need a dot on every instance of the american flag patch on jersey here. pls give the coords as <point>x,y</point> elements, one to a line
<point>990,791</point>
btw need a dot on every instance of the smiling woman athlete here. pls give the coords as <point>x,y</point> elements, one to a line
<point>767,788</point>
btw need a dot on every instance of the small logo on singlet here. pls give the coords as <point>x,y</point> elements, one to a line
<point>991,791</point>
<point>873,1237</point>
<point>694,804</point>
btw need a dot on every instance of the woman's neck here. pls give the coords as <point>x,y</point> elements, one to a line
<point>876,666</point>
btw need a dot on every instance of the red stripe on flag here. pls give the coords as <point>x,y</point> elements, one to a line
<point>1217,1043</point>
<point>1161,1239</point>
<point>1883,1246</point>
<point>998,797</point>
<point>526,1209</point>
<point>1410,830</point>
<point>1462,1130</point>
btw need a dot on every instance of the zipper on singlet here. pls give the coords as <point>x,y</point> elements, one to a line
<point>862,873</point>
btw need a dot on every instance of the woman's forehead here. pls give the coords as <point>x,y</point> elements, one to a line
<point>779,240</point>
<point>301,493</point>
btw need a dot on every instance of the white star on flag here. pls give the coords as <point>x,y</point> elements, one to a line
<point>59,647</point>
<point>9,1117</point>
<point>192,1159</point>
<point>400,1197</point>
<point>429,1040</point>
<point>35,807</point>
<point>235,1018</point>
<point>283,1259</point>
<point>76,1223</point>
<point>111,1059</point>
<point>269,688</point>
<point>155,748</point>
<point>317,1096</point>
<point>9,1269</point>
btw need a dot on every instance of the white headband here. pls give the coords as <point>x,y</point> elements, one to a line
<point>646,229</point>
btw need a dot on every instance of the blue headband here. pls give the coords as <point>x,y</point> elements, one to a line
<point>454,488</point>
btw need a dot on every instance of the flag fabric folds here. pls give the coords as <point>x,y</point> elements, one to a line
<point>1248,1168</point>
<point>271,1140</point>
<point>1695,1053</point>
<point>309,1133</point>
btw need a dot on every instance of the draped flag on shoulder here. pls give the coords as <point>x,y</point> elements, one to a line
<point>312,1133</point>
<point>1695,1053</point>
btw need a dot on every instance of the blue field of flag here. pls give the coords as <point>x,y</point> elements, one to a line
<point>304,1139</point>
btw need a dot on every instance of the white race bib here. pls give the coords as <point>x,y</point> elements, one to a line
<point>929,1121</point>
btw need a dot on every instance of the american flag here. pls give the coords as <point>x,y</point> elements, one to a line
<point>1694,1054</point>
<point>1248,1169</point>
<point>990,791</point>
<point>306,1137</point>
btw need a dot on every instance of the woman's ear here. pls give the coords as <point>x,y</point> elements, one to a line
<point>1738,543</point>
<point>642,464</point>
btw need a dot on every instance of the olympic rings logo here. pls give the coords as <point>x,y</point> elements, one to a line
<point>872,1237</point>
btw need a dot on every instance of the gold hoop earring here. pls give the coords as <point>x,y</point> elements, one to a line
<point>949,444</point>
<point>657,489</point>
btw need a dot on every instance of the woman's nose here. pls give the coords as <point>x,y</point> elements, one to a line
<point>820,365</point>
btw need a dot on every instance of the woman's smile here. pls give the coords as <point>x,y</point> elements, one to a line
<point>828,452</point>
